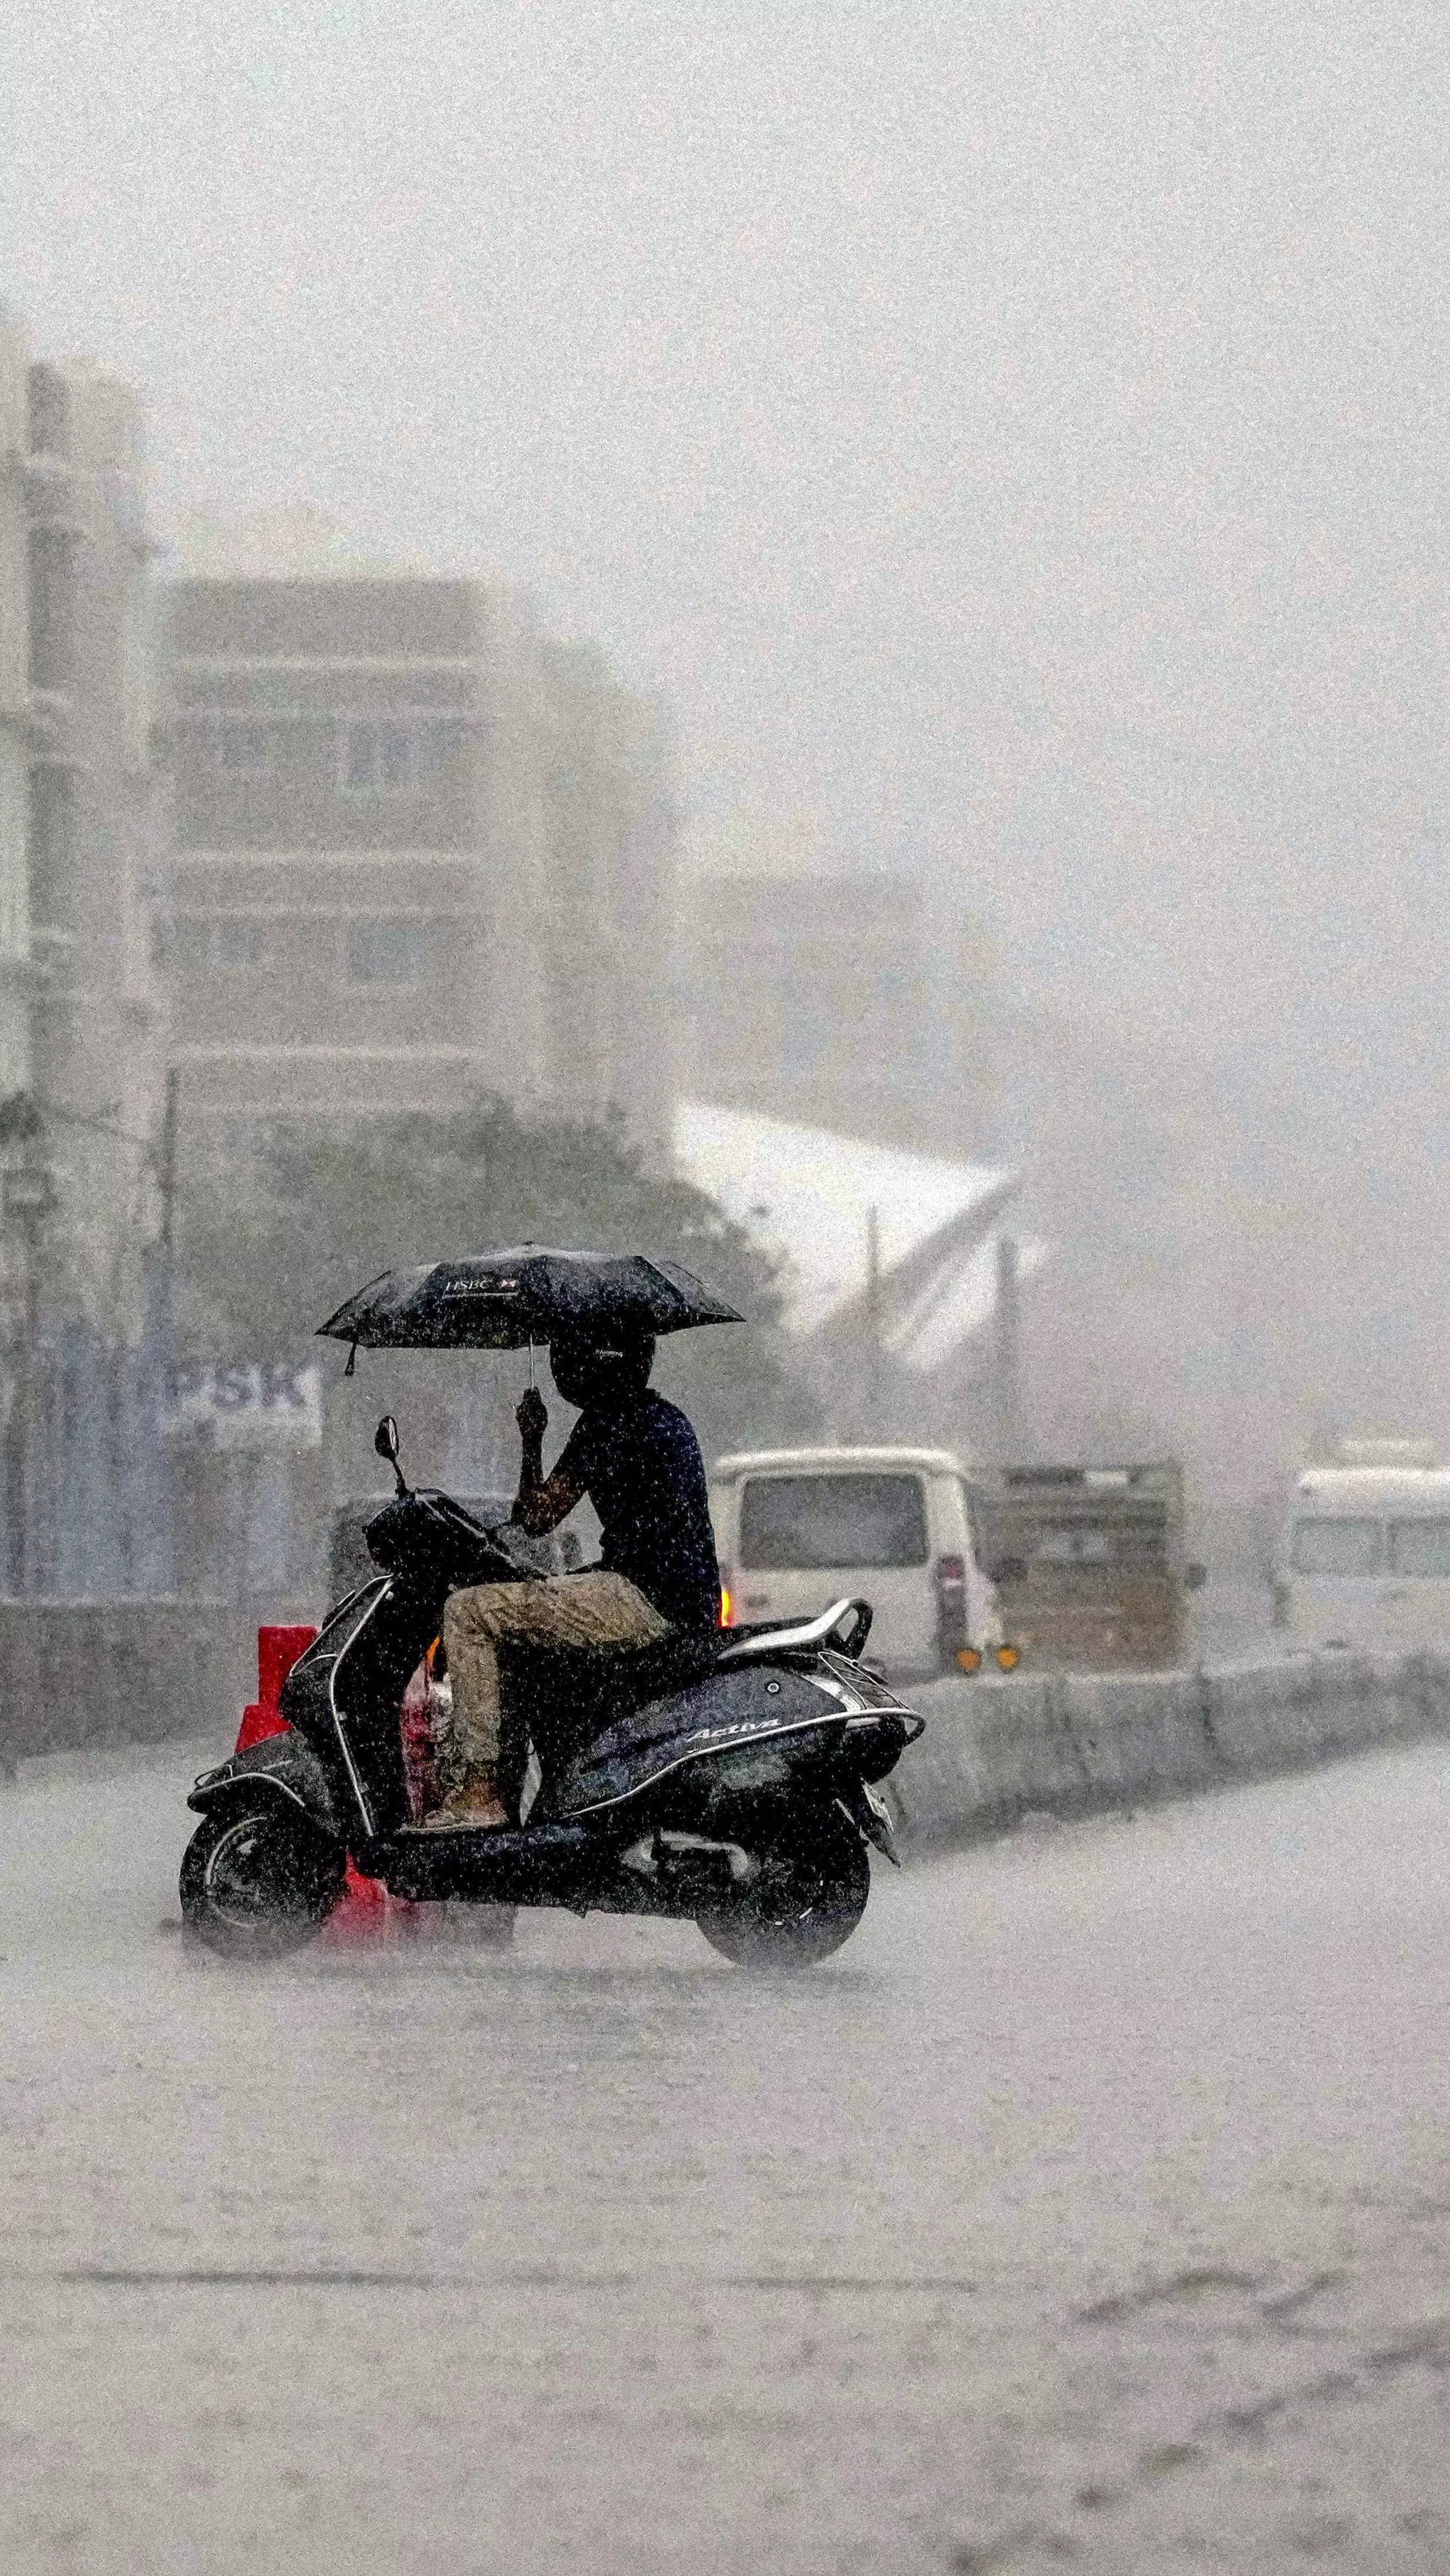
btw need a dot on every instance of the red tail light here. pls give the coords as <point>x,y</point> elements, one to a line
<point>951,1607</point>
<point>727,1598</point>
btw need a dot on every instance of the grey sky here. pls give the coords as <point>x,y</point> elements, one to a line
<point>1012,438</point>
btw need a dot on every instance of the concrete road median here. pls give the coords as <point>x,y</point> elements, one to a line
<point>997,1748</point>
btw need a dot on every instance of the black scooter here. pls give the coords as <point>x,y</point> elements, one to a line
<point>728,1779</point>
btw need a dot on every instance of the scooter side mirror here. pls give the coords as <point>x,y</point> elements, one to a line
<point>387,1445</point>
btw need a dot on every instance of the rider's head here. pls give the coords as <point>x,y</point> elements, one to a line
<point>591,1368</point>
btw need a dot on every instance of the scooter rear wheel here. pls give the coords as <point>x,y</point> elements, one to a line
<point>807,1898</point>
<point>257,1882</point>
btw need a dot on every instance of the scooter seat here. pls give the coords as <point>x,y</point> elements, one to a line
<point>565,1696</point>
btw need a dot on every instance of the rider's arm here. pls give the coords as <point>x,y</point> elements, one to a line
<point>543,1501</point>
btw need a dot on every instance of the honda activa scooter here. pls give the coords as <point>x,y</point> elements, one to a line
<point>728,1779</point>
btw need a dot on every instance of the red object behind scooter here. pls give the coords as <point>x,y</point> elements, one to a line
<point>365,1906</point>
<point>277,1651</point>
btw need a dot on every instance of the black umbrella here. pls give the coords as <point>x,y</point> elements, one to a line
<point>498,1301</point>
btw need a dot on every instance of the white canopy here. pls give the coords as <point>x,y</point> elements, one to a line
<point>809,1194</point>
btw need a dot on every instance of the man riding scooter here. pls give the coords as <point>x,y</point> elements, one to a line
<point>729,1782</point>
<point>636,1458</point>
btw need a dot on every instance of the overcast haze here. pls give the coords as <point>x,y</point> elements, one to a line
<point>965,416</point>
<point>1011,440</point>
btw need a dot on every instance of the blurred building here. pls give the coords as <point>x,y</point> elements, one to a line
<point>859,1003</point>
<point>81,1040</point>
<point>416,850</point>
<point>871,1008</point>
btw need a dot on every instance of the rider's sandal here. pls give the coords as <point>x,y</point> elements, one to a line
<point>476,1809</point>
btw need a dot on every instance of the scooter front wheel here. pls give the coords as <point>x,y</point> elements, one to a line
<point>807,1897</point>
<point>257,1882</point>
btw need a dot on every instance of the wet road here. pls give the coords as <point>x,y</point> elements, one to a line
<point>1092,2209</point>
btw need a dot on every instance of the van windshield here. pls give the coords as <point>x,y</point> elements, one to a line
<point>816,1521</point>
<point>1347,1547</point>
<point>1420,1547</point>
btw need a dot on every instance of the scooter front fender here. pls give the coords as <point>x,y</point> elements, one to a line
<point>281,1766</point>
<point>870,1815</point>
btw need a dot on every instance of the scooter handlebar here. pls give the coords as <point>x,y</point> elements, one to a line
<point>431,1531</point>
<point>504,1535</point>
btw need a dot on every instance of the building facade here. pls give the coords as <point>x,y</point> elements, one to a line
<point>859,1003</point>
<point>416,851</point>
<point>81,1028</point>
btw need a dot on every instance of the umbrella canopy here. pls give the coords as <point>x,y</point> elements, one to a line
<point>498,1301</point>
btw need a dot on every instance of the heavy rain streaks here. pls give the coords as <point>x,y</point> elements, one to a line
<point>729,724</point>
<point>1089,2207</point>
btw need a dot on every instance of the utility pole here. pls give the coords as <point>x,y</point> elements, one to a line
<point>166,1161</point>
<point>1008,1353</point>
<point>873,1323</point>
<point>29,1200</point>
<point>159,1527</point>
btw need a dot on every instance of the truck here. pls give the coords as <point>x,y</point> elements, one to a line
<point>1089,1564</point>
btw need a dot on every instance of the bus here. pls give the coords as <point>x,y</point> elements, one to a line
<point>1365,1559</point>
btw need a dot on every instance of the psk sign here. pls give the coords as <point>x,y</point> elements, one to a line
<point>256,1404</point>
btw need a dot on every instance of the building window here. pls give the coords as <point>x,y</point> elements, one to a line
<point>52,608</point>
<point>50,842</point>
<point>385,952</point>
<point>237,745</point>
<point>225,946</point>
<point>49,412</point>
<point>238,947</point>
<point>136,670</point>
<point>443,737</point>
<point>379,758</point>
<point>388,755</point>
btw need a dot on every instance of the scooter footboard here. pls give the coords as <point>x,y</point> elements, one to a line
<point>543,1866</point>
<point>662,1871</point>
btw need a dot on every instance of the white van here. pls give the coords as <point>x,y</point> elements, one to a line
<point>1366,1560</point>
<point>795,1529</point>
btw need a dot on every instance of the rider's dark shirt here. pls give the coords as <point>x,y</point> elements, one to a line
<point>640,1464</point>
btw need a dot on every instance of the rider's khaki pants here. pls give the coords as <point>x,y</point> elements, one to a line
<point>565,1610</point>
